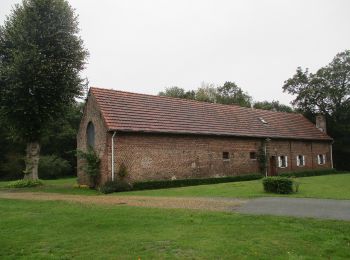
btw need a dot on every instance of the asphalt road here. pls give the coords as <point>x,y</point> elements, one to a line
<point>298,207</point>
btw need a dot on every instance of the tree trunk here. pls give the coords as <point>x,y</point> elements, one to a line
<point>32,161</point>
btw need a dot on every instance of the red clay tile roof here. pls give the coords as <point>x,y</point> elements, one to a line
<point>131,112</point>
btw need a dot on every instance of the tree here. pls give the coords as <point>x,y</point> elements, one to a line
<point>230,93</point>
<point>41,56</point>
<point>327,92</point>
<point>178,93</point>
<point>207,92</point>
<point>274,105</point>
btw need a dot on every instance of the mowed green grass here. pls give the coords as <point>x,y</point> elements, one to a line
<point>336,186</point>
<point>64,186</point>
<point>61,230</point>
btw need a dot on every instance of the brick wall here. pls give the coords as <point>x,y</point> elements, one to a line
<point>154,157</point>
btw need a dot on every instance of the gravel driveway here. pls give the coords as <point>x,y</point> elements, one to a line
<point>298,207</point>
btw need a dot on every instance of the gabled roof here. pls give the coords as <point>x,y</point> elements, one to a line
<point>131,112</point>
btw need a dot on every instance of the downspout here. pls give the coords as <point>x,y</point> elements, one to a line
<point>332,154</point>
<point>113,155</point>
<point>265,152</point>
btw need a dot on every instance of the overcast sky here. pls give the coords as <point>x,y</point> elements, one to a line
<point>144,46</point>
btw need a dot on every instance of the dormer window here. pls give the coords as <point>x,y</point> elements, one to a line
<point>262,120</point>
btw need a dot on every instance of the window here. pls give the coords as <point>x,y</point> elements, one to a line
<point>90,135</point>
<point>300,160</point>
<point>282,161</point>
<point>252,155</point>
<point>321,159</point>
<point>225,155</point>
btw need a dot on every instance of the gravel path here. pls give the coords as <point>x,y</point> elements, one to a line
<point>298,207</point>
<point>212,204</point>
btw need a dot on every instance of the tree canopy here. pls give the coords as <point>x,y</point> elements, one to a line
<point>273,105</point>
<point>229,93</point>
<point>41,55</point>
<point>327,91</point>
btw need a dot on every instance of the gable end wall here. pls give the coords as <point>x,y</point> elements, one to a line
<point>93,114</point>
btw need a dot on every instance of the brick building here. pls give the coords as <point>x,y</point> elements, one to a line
<point>162,138</point>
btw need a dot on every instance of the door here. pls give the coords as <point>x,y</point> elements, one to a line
<point>273,170</point>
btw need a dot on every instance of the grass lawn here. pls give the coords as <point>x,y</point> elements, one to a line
<point>336,186</point>
<point>61,230</point>
<point>65,186</point>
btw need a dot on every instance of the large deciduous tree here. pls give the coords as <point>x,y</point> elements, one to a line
<point>41,55</point>
<point>327,92</point>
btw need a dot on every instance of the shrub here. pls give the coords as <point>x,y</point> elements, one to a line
<point>91,165</point>
<point>115,186</point>
<point>281,185</point>
<point>310,173</point>
<point>192,182</point>
<point>123,171</point>
<point>53,167</point>
<point>12,167</point>
<point>25,184</point>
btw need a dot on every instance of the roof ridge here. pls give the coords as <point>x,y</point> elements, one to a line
<point>197,101</point>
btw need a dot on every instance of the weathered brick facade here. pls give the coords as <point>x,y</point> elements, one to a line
<point>157,156</point>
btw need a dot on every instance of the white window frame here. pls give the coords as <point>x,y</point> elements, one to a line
<point>280,161</point>
<point>323,161</point>
<point>298,160</point>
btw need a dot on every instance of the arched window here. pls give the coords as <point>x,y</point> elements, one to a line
<point>90,135</point>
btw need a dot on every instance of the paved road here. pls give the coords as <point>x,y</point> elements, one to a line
<point>298,207</point>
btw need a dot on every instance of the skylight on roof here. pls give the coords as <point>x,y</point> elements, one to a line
<point>262,120</point>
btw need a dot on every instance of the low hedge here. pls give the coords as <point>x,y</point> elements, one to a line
<point>192,182</point>
<point>281,185</point>
<point>310,173</point>
<point>115,186</point>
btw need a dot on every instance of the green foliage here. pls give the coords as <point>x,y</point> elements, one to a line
<point>178,93</point>
<point>25,184</point>
<point>327,92</point>
<point>59,139</point>
<point>41,57</point>
<point>280,185</point>
<point>311,173</point>
<point>53,167</point>
<point>273,105</point>
<point>115,186</point>
<point>91,165</point>
<point>191,182</point>
<point>123,171</point>
<point>229,93</point>
<point>11,168</point>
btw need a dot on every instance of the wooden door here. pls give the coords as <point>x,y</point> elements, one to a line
<point>273,170</point>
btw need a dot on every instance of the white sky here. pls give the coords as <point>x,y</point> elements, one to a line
<point>144,46</point>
